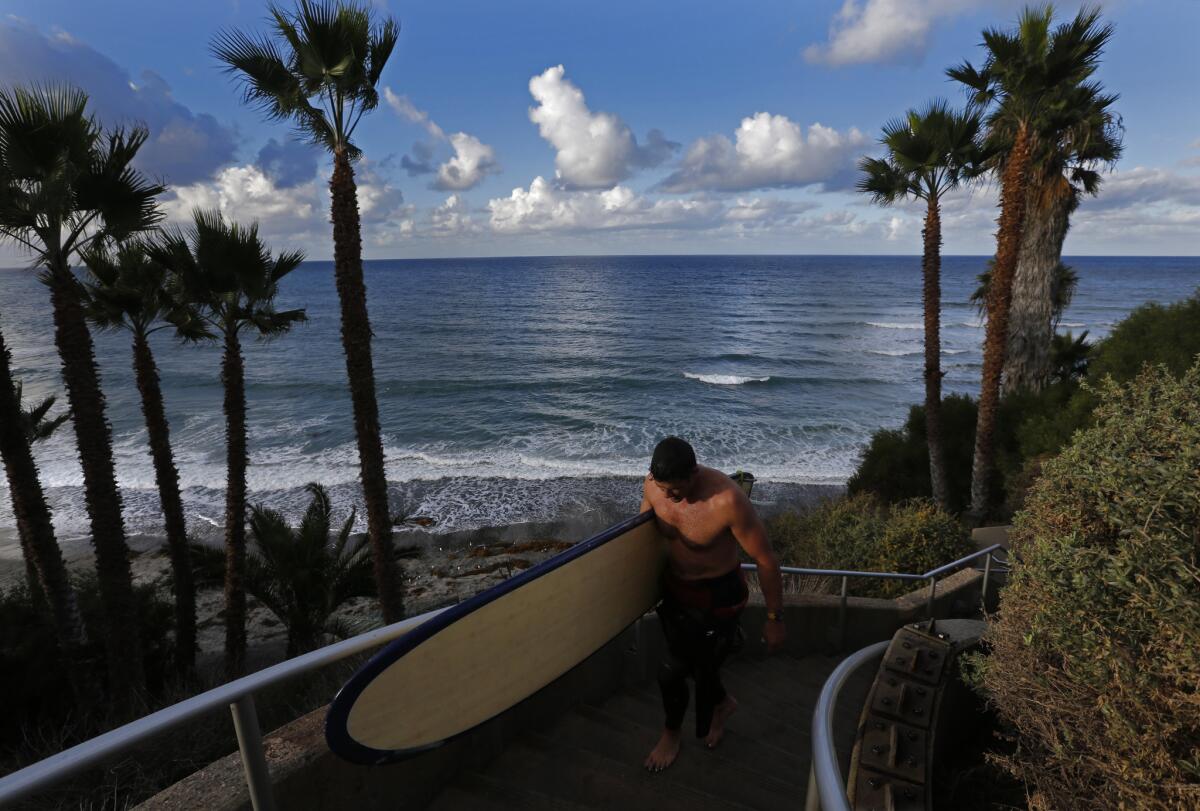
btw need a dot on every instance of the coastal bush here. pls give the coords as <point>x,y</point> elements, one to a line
<point>34,679</point>
<point>895,465</point>
<point>1095,655</point>
<point>917,536</point>
<point>835,534</point>
<point>861,532</point>
<point>1033,426</point>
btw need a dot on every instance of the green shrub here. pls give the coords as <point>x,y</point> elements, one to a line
<point>1153,333</point>
<point>916,537</point>
<point>895,465</point>
<point>860,532</point>
<point>33,676</point>
<point>1095,656</point>
<point>1031,427</point>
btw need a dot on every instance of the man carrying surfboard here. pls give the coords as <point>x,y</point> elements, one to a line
<point>704,517</point>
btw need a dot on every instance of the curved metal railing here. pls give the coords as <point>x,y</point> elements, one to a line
<point>826,774</point>
<point>238,695</point>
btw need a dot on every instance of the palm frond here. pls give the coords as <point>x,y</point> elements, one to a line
<point>319,67</point>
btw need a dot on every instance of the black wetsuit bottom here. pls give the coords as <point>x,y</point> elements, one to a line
<point>700,623</point>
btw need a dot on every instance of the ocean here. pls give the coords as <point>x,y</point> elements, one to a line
<point>526,390</point>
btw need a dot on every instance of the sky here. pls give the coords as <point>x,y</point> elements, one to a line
<point>558,128</point>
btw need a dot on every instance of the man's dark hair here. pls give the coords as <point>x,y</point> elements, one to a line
<point>673,460</point>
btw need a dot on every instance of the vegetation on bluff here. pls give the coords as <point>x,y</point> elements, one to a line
<point>1095,656</point>
<point>1033,425</point>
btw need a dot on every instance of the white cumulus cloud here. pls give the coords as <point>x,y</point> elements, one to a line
<point>471,162</point>
<point>593,150</point>
<point>289,216</point>
<point>769,151</point>
<point>545,207</point>
<point>883,30</point>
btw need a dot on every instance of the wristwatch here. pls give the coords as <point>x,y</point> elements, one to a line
<point>775,616</point>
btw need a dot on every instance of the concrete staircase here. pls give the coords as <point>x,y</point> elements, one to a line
<point>591,757</point>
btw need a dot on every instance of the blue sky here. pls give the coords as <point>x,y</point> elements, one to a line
<point>617,127</point>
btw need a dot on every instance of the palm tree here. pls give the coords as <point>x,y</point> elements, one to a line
<point>929,152</point>
<point>38,427</point>
<point>320,70</point>
<point>126,290</point>
<point>229,279</point>
<point>65,184</point>
<point>1077,133</point>
<point>298,574</point>
<point>1023,71</point>
<point>1063,283</point>
<point>45,568</point>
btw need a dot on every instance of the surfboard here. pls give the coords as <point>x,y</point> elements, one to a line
<point>478,658</point>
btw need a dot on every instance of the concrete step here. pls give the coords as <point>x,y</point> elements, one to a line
<point>747,723</point>
<point>592,757</point>
<point>472,790</point>
<point>589,780</point>
<point>728,773</point>
<point>754,755</point>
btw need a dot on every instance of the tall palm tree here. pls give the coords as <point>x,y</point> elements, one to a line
<point>65,184</point>
<point>39,426</point>
<point>929,152</point>
<point>127,290</point>
<point>43,558</point>
<point>320,69</point>
<point>1023,71</point>
<point>1078,133</point>
<point>230,279</point>
<point>298,574</point>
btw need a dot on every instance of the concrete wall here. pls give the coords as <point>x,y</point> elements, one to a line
<point>308,776</point>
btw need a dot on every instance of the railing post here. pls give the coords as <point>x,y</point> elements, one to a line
<point>932,597</point>
<point>842,615</point>
<point>812,799</point>
<point>987,573</point>
<point>254,758</point>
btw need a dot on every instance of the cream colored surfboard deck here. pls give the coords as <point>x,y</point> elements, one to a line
<point>488,653</point>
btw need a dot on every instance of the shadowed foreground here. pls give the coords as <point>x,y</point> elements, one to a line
<point>591,757</point>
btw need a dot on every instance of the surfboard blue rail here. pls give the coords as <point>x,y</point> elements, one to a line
<point>337,733</point>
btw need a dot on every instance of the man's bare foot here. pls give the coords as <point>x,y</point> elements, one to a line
<point>721,713</point>
<point>664,752</point>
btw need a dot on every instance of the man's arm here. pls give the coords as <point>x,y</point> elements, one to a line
<point>749,532</point>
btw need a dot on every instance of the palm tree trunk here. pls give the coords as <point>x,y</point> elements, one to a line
<point>931,270</point>
<point>1013,191</point>
<point>233,376</point>
<point>1028,361</point>
<point>93,437</point>
<point>356,341</point>
<point>32,513</point>
<point>167,477</point>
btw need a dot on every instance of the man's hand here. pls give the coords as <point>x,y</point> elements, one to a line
<point>774,634</point>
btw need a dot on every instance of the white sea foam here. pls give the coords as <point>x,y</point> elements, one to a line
<point>725,380</point>
<point>1072,325</point>
<point>894,353</point>
<point>894,325</point>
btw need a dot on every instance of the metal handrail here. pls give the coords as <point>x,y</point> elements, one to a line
<point>238,695</point>
<point>827,788</point>
<point>931,576</point>
<point>826,773</point>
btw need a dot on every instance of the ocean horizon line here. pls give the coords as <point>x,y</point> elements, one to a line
<point>494,257</point>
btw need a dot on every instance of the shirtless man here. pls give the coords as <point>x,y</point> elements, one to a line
<point>704,516</point>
